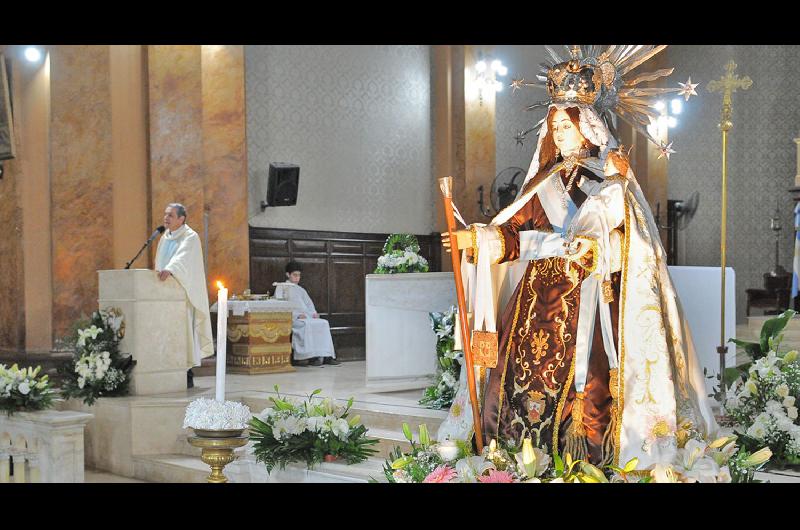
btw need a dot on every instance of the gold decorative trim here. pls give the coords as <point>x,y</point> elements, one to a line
<point>621,334</point>
<point>502,245</point>
<point>266,331</point>
<point>561,401</point>
<point>502,390</point>
<point>474,231</point>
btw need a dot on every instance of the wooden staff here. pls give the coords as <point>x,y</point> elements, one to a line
<point>446,185</point>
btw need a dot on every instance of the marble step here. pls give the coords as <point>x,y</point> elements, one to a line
<point>374,415</point>
<point>175,468</point>
<point>387,441</point>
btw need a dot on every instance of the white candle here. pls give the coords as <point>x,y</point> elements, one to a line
<point>222,343</point>
<point>448,450</point>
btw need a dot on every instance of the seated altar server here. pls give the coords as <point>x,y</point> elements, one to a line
<point>311,336</point>
<point>180,255</point>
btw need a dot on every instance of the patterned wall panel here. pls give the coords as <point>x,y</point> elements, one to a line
<point>357,120</point>
<point>522,61</point>
<point>761,163</point>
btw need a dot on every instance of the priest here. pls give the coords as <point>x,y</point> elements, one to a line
<point>311,336</point>
<point>180,255</point>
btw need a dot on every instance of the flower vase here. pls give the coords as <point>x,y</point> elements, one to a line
<point>217,449</point>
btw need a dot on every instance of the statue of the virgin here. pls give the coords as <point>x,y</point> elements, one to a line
<point>594,354</point>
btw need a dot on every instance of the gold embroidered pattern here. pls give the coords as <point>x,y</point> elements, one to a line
<point>623,291</point>
<point>608,292</point>
<point>540,345</point>
<point>502,245</point>
<point>474,231</point>
<point>561,402</point>
<point>502,391</point>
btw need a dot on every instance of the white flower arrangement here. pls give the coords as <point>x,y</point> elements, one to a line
<point>308,431</point>
<point>696,460</point>
<point>97,368</point>
<point>213,415</point>
<point>763,403</point>
<point>401,254</point>
<point>22,389</point>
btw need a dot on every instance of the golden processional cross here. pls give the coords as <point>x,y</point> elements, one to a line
<point>727,84</point>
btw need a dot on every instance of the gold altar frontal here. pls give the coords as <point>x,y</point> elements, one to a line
<point>260,343</point>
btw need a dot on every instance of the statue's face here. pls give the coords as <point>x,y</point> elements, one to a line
<point>567,137</point>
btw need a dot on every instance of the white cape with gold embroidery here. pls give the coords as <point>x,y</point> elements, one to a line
<point>186,266</point>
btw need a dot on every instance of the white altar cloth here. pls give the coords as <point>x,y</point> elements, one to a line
<point>240,307</point>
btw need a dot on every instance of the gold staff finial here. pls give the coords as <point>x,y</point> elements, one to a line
<point>728,84</point>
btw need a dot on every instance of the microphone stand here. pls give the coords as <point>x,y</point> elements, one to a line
<point>146,244</point>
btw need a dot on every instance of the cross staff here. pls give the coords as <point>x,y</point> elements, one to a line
<point>727,84</point>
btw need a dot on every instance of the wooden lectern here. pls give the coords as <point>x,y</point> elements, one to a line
<point>157,331</point>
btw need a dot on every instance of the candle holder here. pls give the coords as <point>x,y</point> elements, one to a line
<point>217,449</point>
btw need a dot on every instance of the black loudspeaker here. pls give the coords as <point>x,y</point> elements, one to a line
<point>282,185</point>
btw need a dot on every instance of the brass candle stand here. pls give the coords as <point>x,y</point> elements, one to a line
<point>217,450</point>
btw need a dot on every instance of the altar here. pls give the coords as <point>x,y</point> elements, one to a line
<point>401,345</point>
<point>259,335</point>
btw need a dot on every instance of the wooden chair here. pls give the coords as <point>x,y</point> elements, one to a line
<point>774,297</point>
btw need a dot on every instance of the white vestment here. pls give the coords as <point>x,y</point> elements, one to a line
<point>180,253</point>
<point>311,337</point>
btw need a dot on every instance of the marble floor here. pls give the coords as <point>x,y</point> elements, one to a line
<point>341,382</point>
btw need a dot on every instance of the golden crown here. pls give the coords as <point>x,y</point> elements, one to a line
<point>602,76</point>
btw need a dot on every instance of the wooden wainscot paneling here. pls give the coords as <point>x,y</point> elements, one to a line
<point>334,267</point>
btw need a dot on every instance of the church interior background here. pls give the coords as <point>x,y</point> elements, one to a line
<point>107,135</point>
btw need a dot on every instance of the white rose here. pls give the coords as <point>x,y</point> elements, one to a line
<point>792,412</point>
<point>751,387</point>
<point>782,390</point>
<point>788,401</point>
<point>25,388</point>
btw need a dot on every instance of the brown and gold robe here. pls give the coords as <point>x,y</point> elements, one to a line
<point>531,392</point>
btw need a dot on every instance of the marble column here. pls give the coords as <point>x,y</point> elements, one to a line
<point>81,180</point>
<point>129,154</point>
<point>225,161</point>
<point>447,95</point>
<point>176,135</point>
<point>32,95</point>
<point>12,323</point>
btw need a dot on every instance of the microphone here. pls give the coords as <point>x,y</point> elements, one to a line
<point>156,232</point>
<point>159,230</point>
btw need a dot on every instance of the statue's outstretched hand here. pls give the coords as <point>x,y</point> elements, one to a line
<point>463,240</point>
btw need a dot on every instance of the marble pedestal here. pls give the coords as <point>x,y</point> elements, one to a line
<point>156,328</point>
<point>401,345</point>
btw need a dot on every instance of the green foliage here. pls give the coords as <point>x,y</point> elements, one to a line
<point>441,394</point>
<point>770,336</point>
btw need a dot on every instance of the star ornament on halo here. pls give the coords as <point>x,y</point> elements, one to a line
<point>688,89</point>
<point>665,150</point>
<point>516,84</point>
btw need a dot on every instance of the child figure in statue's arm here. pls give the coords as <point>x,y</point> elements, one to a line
<point>603,210</point>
